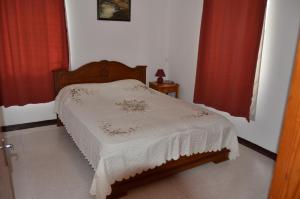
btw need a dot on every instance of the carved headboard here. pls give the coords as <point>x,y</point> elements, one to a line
<point>98,72</point>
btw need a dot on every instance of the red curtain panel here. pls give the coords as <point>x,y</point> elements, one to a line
<point>228,49</point>
<point>33,42</point>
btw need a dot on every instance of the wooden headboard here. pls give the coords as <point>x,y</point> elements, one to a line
<point>98,72</point>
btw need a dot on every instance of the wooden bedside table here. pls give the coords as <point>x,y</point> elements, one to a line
<point>165,88</point>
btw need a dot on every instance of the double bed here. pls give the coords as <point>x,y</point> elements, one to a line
<point>131,134</point>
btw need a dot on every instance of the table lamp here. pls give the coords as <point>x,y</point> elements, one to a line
<point>160,74</point>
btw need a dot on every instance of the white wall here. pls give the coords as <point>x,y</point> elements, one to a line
<point>1,117</point>
<point>166,33</point>
<point>184,40</point>
<point>143,41</point>
<point>28,113</point>
<point>282,25</point>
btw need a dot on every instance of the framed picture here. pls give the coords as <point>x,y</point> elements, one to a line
<point>113,10</point>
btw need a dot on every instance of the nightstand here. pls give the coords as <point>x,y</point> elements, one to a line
<point>165,87</point>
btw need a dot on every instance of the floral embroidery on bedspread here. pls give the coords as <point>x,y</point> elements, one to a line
<point>77,93</point>
<point>133,105</point>
<point>109,129</point>
<point>142,87</point>
<point>198,114</point>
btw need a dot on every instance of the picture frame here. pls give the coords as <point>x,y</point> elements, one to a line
<point>114,10</point>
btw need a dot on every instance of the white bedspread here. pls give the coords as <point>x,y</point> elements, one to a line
<point>124,128</point>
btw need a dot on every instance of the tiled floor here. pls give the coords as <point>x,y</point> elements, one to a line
<point>47,165</point>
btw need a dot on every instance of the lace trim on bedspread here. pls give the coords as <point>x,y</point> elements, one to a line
<point>77,144</point>
<point>103,179</point>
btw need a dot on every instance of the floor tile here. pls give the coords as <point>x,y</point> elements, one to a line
<point>47,164</point>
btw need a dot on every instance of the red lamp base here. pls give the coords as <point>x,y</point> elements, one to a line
<point>160,80</point>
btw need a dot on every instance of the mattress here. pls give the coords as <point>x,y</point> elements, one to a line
<point>124,128</point>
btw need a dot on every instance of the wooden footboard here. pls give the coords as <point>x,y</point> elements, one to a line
<point>172,167</point>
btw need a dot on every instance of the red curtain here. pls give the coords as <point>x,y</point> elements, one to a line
<point>228,49</point>
<point>33,42</point>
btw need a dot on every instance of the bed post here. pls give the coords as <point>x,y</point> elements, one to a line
<point>57,79</point>
<point>57,86</point>
<point>142,70</point>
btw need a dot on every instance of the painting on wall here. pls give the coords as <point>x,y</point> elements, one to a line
<point>113,10</point>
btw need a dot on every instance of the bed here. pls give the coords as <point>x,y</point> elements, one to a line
<point>131,134</point>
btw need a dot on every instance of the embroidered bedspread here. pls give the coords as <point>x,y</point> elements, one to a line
<point>124,128</point>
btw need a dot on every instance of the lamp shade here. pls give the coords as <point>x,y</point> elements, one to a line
<point>160,73</point>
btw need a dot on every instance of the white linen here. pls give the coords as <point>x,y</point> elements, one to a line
<point>124,128</point>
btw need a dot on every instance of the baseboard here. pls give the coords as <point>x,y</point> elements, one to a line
<point>258,149</point>
<point>28,125</point>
